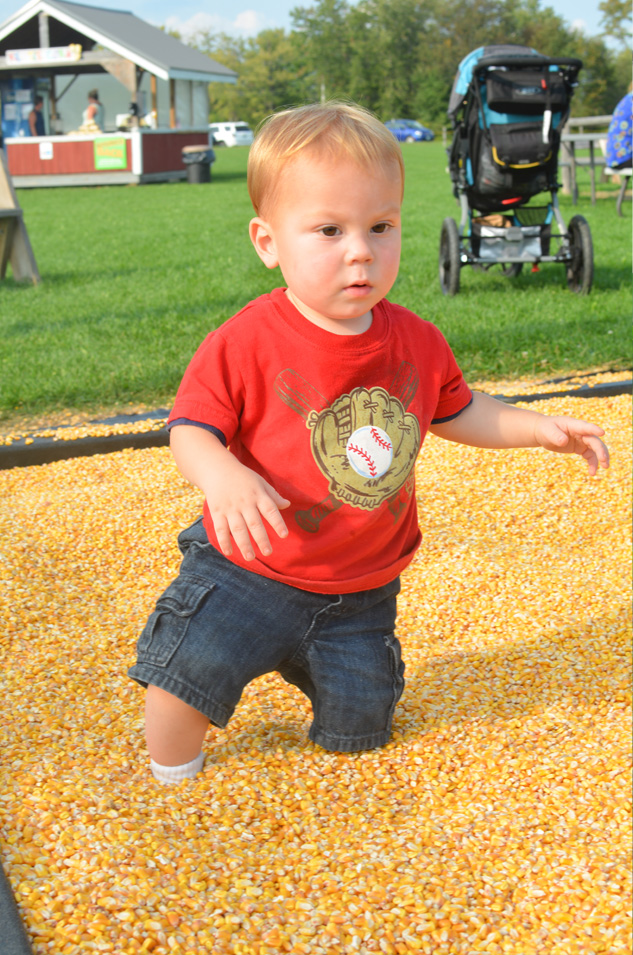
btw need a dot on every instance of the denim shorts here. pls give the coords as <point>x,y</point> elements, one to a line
<point>219,626</point>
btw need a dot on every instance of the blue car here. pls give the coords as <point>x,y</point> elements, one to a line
<point>409,131</point>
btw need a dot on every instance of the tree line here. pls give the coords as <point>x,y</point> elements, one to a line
<point>399,57</point>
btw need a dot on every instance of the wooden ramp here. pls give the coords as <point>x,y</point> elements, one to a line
<point>15,246</point>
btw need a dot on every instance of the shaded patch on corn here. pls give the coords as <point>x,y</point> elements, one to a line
<point>496,821</point>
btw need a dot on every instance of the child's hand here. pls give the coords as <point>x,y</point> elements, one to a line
<point>489,423</point>
<point>239,502</point>
<point>573,436</point>
<point>239,499</point>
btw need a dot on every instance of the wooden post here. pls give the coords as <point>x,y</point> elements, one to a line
<point>7,228</point>
<point>134,100</point>
<point>53,117</point>
<point>43,30</point>
<point>15,246</point>
<point>154,93</point>
<point>172,104</point>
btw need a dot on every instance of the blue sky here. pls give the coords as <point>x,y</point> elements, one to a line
<point>247,17</point>
<point>255,15</point>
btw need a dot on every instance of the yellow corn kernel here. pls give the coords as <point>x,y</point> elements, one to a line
<point>474,831</point>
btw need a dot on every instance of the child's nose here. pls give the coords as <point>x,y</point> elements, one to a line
<point>359,249</point>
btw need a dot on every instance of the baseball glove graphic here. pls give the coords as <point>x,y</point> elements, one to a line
<point>364,443</point>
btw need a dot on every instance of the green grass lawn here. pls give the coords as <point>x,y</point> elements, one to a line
<point>134,277</point>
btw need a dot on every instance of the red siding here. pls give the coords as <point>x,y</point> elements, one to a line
<point>162,152</point>
<point>70,157</point>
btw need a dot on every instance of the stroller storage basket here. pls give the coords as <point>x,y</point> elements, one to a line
<point>508,242</point>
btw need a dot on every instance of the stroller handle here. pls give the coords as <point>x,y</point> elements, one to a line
<point>525,62</point>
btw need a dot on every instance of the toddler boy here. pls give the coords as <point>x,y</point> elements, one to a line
<point>300,420</point>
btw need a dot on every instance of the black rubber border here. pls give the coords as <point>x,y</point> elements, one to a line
<point>585,391</point>
<point>19,454</point>
<point>14,940</point>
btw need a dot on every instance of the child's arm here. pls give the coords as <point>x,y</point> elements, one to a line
<point>238,498</point>
<point>488,423</point>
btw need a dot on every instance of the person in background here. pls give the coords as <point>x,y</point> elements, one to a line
<point>36,118</point>
<point>619,151</point>
<point>94,111</point>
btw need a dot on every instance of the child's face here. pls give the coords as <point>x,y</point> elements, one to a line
<point>334,231</point>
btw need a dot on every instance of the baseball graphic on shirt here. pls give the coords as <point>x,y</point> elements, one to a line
<point>366,445</point>
<point>364,442</point>
<point>370,451</point>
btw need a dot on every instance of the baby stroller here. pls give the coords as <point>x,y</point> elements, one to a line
<point>508,107</point>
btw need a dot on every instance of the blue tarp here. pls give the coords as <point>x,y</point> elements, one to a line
<point>620,136</point>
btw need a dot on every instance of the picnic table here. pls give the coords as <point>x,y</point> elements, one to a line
<point>583,140</point>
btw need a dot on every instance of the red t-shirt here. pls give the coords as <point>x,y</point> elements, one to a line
<point>334,423</point>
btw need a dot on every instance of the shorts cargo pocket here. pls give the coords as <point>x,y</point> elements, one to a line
<point>166,628</point>
<point>397,665</point>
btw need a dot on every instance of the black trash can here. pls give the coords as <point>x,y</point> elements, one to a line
<point>198,160</point>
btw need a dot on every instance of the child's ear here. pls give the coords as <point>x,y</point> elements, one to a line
<point>264,242</point>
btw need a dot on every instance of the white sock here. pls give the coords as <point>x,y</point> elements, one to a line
<point>174,774</point>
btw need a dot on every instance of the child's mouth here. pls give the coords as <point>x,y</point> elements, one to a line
<point>358,288</point>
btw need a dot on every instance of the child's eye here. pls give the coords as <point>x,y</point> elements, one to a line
<point>329,230</point>
<point>381,227</point>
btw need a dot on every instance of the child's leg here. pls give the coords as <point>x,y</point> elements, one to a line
<point>174,730</point>
<point>351,669</point>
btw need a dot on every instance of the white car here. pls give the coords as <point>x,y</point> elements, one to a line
<point>231,134</point>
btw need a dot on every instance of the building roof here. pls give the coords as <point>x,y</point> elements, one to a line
<point>118,30</point>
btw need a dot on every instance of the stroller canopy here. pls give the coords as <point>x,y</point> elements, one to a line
<point>466,68</point>
<point>504,56</point>
<point>507,106</point>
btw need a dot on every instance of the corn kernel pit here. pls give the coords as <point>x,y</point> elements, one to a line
<point>496,821</point>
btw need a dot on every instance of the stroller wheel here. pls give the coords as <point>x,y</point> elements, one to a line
<point>449,257</point>
<point>580,267</point>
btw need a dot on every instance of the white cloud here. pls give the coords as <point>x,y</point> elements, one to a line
<point>580,25</point>
<point>200,22</point>
<point>246,23</point>
<point>250,22</point>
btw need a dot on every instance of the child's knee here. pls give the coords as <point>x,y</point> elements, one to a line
<point>174,730</point>
<point>163,707</point>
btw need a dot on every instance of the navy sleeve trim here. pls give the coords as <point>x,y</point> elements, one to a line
<point>198,424</point>
<point>450,417</point>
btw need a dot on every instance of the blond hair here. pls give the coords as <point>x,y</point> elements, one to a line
<point>330,130</point>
